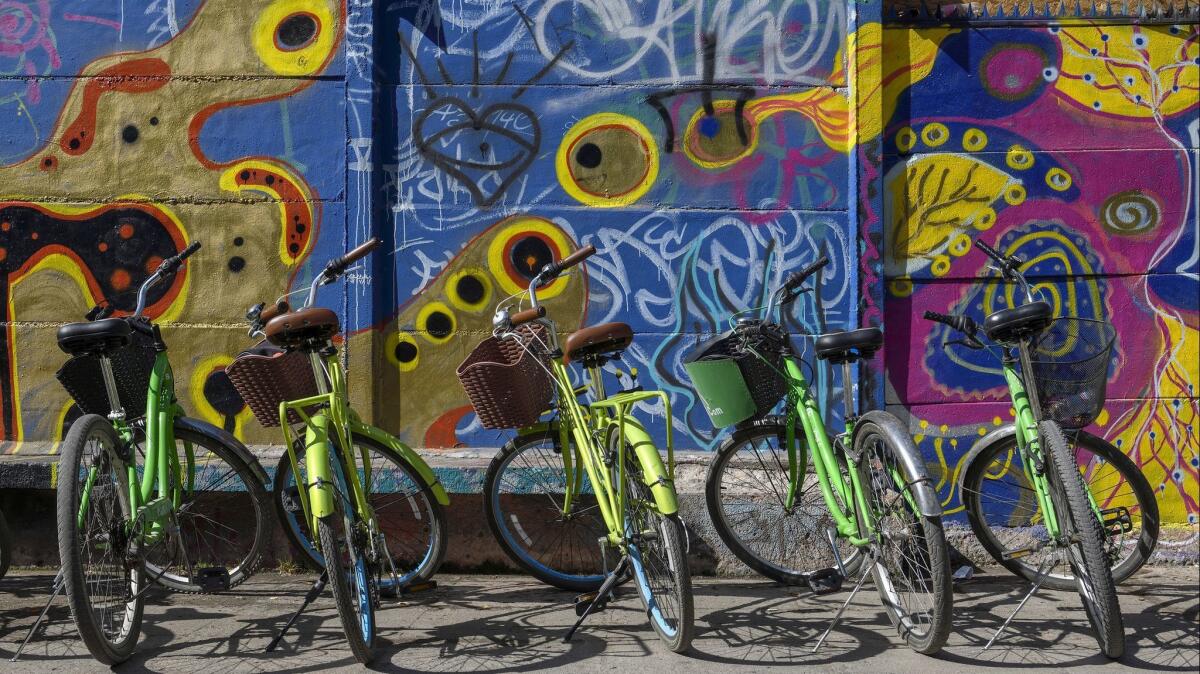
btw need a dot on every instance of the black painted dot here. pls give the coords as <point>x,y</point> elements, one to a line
<point>74,144</point>
<point>529,255</point>
<point>237,241</point>
<point>245,175</point>
<point>129,134</point>
<point>47,162</point>
<point>589,155</point>
<point>220,393</point>
<point>236,264</point>
<point>406,352</point>
<point>484,147</point>
<point>293,248</point>
<point>270,180</point>
<point>470,289</point>
<point>153,121</point>
<point>296,30</point>
<point>300,227</point>
<point>439,324</point>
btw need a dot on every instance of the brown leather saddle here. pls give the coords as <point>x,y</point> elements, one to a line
<point>599,340</point>
<point>311,326</point>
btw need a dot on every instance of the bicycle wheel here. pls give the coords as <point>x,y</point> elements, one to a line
<point>350,579</point>
<point>912,562</point>
<point>102,576</point>
<point>222,518</point>
<point>1080,528</point>
<point>746,490</point>
<point>5,546</point>
<point>412,521</point>
<point>658,556</point>
<point>1003,510</point>
<point>524,505</point>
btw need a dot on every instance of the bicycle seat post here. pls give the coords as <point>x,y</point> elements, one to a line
<point>849,410</point>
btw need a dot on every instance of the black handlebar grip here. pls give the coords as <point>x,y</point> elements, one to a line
<point>338,265</point>
<point>171,265</point>
<point>991,252</point>
<point>963,324</point>
<point>796,279</point>
<point>187,252</point>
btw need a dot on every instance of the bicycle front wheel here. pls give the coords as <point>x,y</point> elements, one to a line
<point>912,562</point>
<point>103,578</point>
<point>525,506</point>
<point>223,517</point>
<point>1081,531</point>
<point>1002,507</point>
<point>658,555</point>
<point>351,576</point>
<point>747,493</point>
<point>412,522</point>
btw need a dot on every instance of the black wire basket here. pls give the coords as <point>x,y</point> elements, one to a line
<point>131,366</point>
<point>1070,365</point>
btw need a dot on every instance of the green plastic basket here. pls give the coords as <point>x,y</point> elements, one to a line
<point>719,383</point>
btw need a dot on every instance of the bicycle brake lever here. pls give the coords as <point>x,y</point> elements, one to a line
<point>970,343</point>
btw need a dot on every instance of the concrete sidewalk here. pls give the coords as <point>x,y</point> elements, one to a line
<point>512,623</point>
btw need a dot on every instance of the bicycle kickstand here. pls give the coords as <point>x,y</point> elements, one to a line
<point>313,592</point>
<point>1041,577</point>
<point>601,595</point>
<point>59,582</point>
<point>838,616</point>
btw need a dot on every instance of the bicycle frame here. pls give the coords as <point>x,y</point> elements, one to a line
<point>1027,414</point>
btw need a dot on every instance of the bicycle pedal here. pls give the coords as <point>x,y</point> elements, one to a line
<point>212,578</point>
<point>1009,555</point>
<point>1116,520</point>
<point>825,581</point>
<point>291,500</point>
<point>419,587</point>
<point>583,601</point>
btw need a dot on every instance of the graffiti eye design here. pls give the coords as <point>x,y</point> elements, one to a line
<point>296,31</point>
<point>402,351</point>
<point>607,160</point>
<point>469,289</point>
<point>716,140</point>
<point>436,322</point>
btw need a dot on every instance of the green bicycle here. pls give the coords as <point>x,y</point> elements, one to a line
<point>145,494</point>
<point>375,505</point>
<point>873,499</point>
<point>1056,372</point>
<point>535,490</point>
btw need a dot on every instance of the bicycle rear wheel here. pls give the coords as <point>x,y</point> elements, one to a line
<point>351,578</point>
<point>746,490</point>
<point>912,564</point>
<point>524,505</point>
<point>412,521</point>
<point>103,580</point>
<point>223,518</point>
<point>1080,528</point>
<point>658,555</point>
<point>1002,507</point>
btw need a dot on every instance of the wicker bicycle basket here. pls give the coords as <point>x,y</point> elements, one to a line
<point>131,366</point>
<point>265,380</point>
<point>761,377</point>
<point>507,381</point>
<point>1070,365</point>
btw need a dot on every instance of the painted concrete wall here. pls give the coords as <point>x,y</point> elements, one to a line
<point>478,141</point>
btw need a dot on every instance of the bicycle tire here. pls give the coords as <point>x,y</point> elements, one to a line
<point>246,560</point>
<point>5,546</point>
<point>1087,557</point>
<point>900,577</point>
<point>354,624</point>
<point>581,567</point>
<point>995,519</point>
<point>421,501</point>
<point>111,502</point>
<point>729,507</point>
<point>659,563</point>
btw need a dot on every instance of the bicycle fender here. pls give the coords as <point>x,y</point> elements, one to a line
<point>661,484</point>
<point>997,435</point>
<point>910,457</point>
<point>321,492</point>
<point>423,470</point>
<point>226,439</point>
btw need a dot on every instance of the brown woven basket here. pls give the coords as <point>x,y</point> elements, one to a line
<point>266,381</point>
<point>508,387</point>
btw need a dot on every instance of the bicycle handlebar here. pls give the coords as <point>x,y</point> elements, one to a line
<point>963,324</point>
<point>337,266</point>
<point>553,269</point>
<point>523,317</point>
<point>796,279</point>
<point>165,270</point>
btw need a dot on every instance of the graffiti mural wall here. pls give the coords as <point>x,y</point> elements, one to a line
<point>703,147</point>
<point>1076,148</point>
<point>130,132</point>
